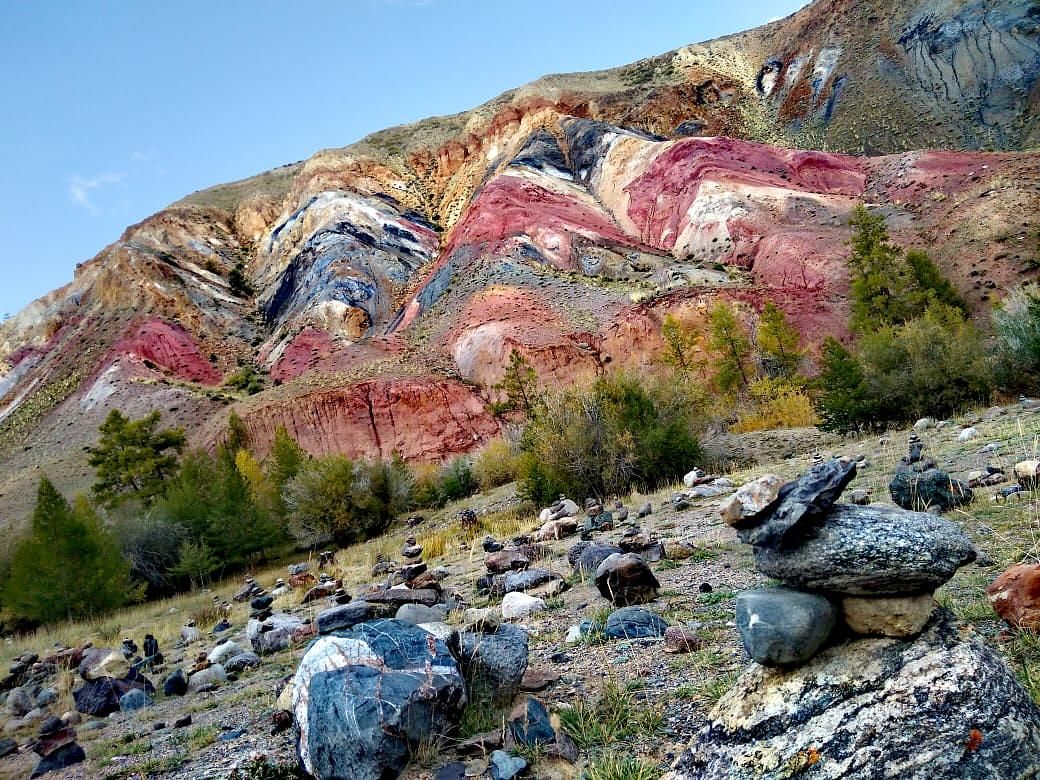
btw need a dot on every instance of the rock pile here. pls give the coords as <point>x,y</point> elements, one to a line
<point>920,485</point>
<point>873,566</point>
<point>874,681</point>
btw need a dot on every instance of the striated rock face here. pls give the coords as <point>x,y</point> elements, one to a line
<point>389,281</point>
<point>941,707</point>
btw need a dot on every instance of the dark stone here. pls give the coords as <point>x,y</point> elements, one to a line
<point>399,596</point>
<point>456,770</point>
<point>7,747</point>
<point>400,686</point>
<point>101,697</point>
<point>871,551</point>
<point>800,504</point>
<point>530,725</point>
<point>944,706</point>
<point>261,603</point>
<point>780,626</point>
<point>526,580</point>
<point>133,700</point>
<point>506,561</point>
<point>343,616</point>
<point>633,623</point>
<point>411,571</point>
<point>626,580</point>
<point>241,662</point>
<point>182,722</point>
<point>490,545</point>
<point>176,684</point>
<point>591,555</point>
<point>494,664</point>
<point>230,736</point>
<point>931,488</point>
<point>62,758</point>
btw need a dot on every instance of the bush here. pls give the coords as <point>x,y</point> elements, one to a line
<point>246,380</point>
<point>604,439</point>
<point>335,499</point>
<point>435,486</point>
<point>151,546</point>
<point>495,464</point>
<point>1017,324</point>
<point>776,403</point>
<point>934,365</point>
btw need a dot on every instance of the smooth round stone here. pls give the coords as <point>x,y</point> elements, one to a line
<point>781,627</point>
<point>634,623</point>
<point>893,616</point>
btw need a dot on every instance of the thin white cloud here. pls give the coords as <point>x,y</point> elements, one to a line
<point>146,156</point>
<point>81,189</point>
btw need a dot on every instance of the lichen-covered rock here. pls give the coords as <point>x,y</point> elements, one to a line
<point>871,550</point>
<point>364,697</point>
<point>751,498</point>
<point>941,707</point>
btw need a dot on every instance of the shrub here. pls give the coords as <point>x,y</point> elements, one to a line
<point>1017,324</point>
<point>150,544</point>
<point>776,403</point>
<point>335,499</point>
<point>495,464</point>
<point>932,365</point>
<point>604,439</point>
<point>246,380</point>
<point>435,486</point>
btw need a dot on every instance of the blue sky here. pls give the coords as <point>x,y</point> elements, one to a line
<point>113,110</point>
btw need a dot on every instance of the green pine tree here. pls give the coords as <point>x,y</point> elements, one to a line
<point>69,566</point>
<point>285,461</point>
<point>930,286</point>
<point>680,345</point>
<point>134,458</point>
<point>520,385</point>
<point>881,284</point>
<point>844,403</point>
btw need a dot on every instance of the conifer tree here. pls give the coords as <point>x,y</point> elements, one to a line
<point>844,404</point>
<point>519,383</point>
<point>880,285</point>
<point>69,566</point>
<point>134,458</point>
<point>680,345</point>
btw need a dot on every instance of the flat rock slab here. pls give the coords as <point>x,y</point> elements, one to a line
<point>942,707</point>
<point>871,551</point>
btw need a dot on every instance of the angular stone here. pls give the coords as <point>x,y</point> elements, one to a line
<point>399,596</point>
<point>875,550</point>
<point>224,651</point>
<point>400,686</point>
<point>62,758</point>
<point>505,766</point>
<point>343,616</point>
<point>176,684</point>
<point>494,664</point>
<point>591,555</point>
<point>893,616</point>
<point>678,639</point>
<point>529,724</point>
<point>101,697</point>
<point>928,488</point>
<point>626,580</point>
<point>210,676</point>
<point>633,623</point>
<point>519,605</point>
<point>275,633</point>
<point>780,626</point>
<point>1015,596</point>
<point>800,503</point>
<point>751,499</point>
<point>526,580</point>
<point>417,613</point>
<point>506,560</point>
<point>942,707</point>
<point>135,699</point>
<point>100,662</point>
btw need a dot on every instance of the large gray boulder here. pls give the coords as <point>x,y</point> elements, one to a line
<point>274,633</point>
<point>920,486</point>
<point>871,551</point>
<point>590,555</point>
<point>941,707</point>
<point>364,697</point>
<point>494,664</point>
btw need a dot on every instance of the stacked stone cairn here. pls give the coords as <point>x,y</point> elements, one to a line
<point>919,484</point>
<point>859,674</point>
<point>872,569</point>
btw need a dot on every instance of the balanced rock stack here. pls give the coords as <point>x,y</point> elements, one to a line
<point>916,697</point>
<point>920,485</point>
<point>874,567</point>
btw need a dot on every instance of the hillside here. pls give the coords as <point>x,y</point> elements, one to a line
<point>388,281</point>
